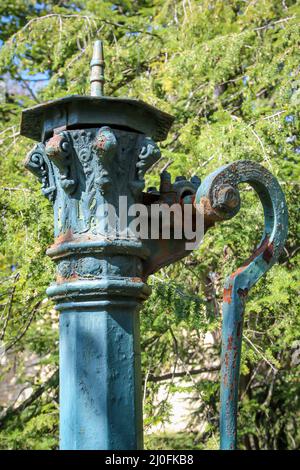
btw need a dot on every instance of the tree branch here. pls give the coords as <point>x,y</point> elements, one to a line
<point>10,302</point>
<point>12,412</point>
<point>33,312</point>
<point>170,375</point>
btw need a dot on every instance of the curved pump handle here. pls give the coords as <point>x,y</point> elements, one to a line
<point>219,193</point>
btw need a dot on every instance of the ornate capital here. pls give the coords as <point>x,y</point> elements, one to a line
<point>82,172</point>
<point>83,169</point>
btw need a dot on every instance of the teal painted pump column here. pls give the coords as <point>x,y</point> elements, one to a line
<point>91,160</point>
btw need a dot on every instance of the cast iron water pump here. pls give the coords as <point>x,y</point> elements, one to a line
<point>93,151</point>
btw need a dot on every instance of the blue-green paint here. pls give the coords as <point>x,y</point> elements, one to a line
<point>239,283</point>
<point>100,382</point>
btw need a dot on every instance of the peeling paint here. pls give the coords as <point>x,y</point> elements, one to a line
<point>238,284</point>
<point>227,295</point>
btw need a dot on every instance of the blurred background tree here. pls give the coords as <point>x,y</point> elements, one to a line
<point>229,72</point>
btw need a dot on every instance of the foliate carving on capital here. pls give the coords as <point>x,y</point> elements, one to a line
<point>105,145</point>
<point>148,154</point>
<point>87,168</point>
<point>59,150</point>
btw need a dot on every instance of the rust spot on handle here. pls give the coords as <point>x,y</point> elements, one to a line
<point>265,247</point>
<point>268,253</point>
<point>227,295</point>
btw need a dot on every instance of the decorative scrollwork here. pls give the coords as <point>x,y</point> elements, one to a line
<point>59,150</point>
<point>105,145</point>
<point>149,154</point>
<point>38,163</point>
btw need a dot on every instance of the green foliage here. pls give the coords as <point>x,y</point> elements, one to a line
<point>172,442</point>
<point>229,73</point>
